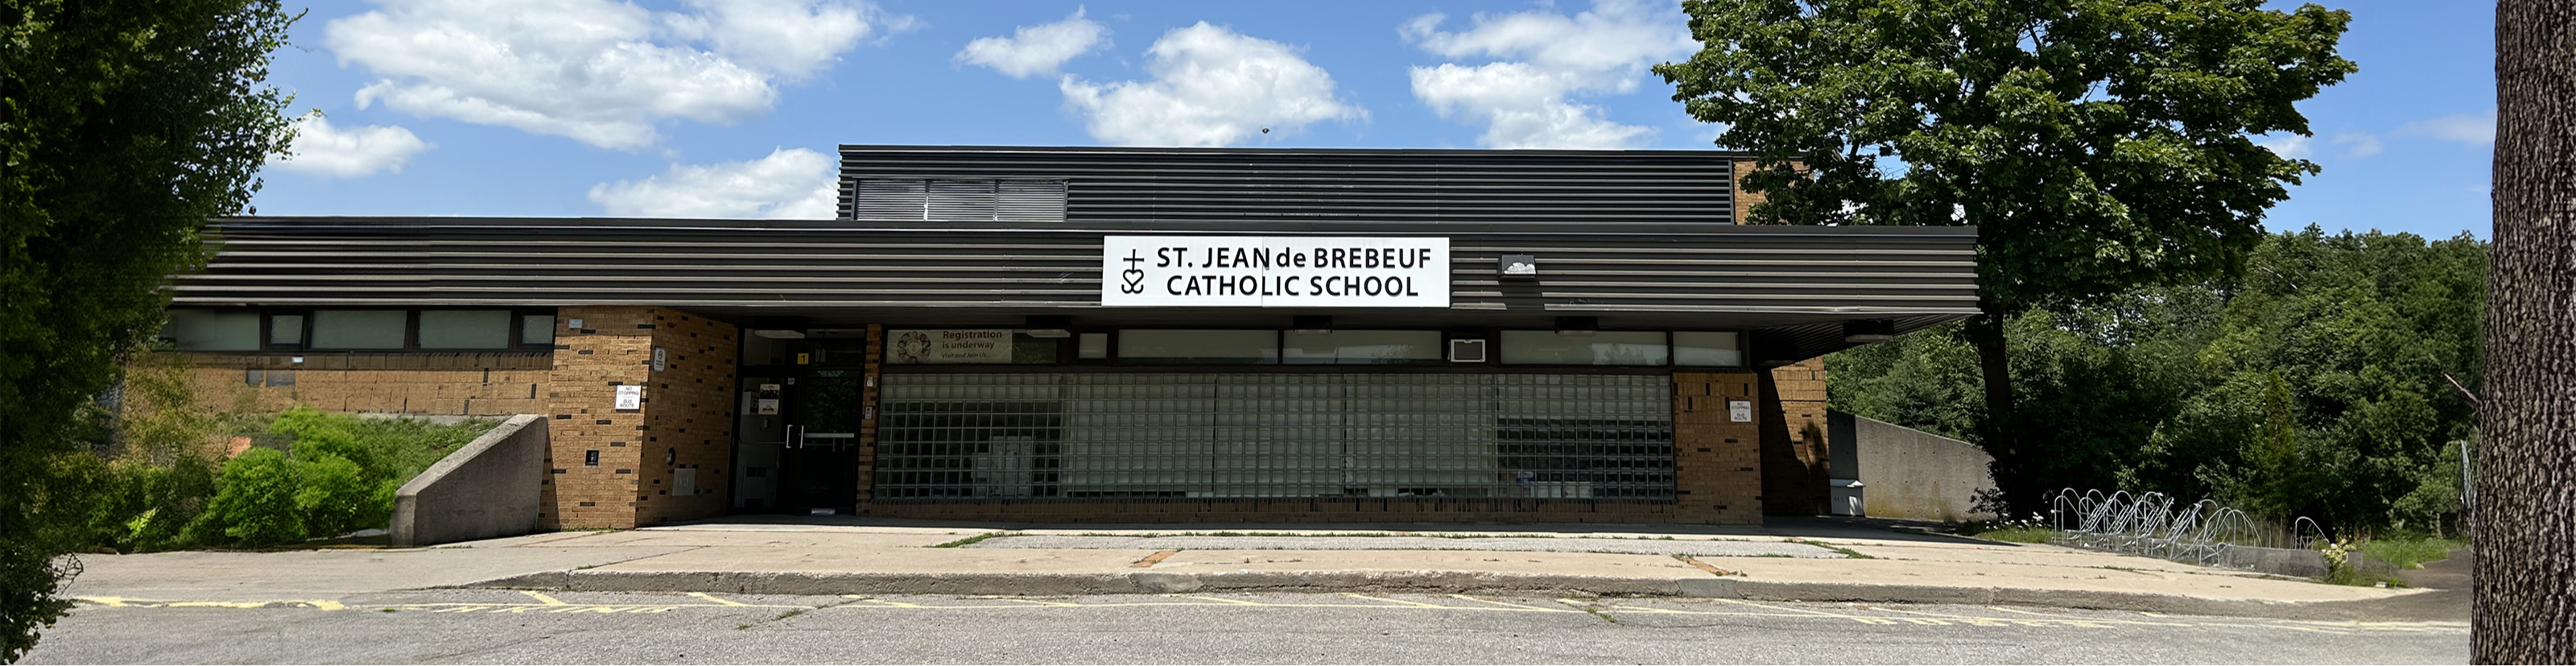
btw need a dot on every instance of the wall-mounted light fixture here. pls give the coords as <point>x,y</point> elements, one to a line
<point>1518,267</point>
<point>1578,326</point>
<point>1050,326</point>
<point>1312,324</point>
<point>1869,330</point>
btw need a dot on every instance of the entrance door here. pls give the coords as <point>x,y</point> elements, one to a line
<point>818,463</point>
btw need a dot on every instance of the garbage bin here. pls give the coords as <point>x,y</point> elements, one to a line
<point>1846,497</point>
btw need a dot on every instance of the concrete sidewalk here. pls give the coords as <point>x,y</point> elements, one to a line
<point>1793,560</point>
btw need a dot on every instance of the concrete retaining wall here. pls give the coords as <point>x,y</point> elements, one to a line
<point>1908,473</point>
<point>489,488</point>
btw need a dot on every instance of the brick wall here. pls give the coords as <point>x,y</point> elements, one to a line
<point>612,348</point>
<point>683,422</point>
<point>1717,460</point>
<point>1795,451</point>
<point>477,383</point>
<point>689,408</point>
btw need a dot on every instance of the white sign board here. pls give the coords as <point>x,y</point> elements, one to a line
<point>1274,271</point>
<point>1739,411</point>
<point>983,345</point>
<point>630,396</point>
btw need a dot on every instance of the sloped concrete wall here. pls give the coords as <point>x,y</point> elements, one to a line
<point>489,488</point>
<point>1908,473</point>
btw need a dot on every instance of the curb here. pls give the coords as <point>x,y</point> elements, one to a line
<point>1427,581</point>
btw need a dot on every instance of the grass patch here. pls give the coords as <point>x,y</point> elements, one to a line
<point>968,541</point>
<point>2010,531</point>
<point>1853,554</point>
<point>2017,535</point>
<point>2409,553</point>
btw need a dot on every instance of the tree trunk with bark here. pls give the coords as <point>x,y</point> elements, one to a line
<point>2525,521</point>
<point>2021,494</point>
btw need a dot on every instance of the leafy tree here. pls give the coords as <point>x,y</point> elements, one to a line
<point>2525,610</point>
<point>2318,385</point>
<point>2098,145</point>
<point>124,124</point>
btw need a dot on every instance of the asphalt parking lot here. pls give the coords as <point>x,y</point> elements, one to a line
<point>507,626</point>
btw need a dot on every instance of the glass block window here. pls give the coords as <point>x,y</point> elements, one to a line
<point>464,329</point>
<point>359,329</point>
<point>208,330</point>
<point>1723,349</point>
<point>1594,348</point>
<point>1198,346</point>
<point>1361,347</point>
<point>1124,436</point>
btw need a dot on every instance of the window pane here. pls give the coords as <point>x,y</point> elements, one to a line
<point>286,329</point>
<point>464,329</point>
<point>358,329</point>
<point>1198,346</point>
<point>1362,347</point>
<point>207,330</point>
<point>1707,349</point>
<point>537,329</point>
<point>1094,345</point>
<point>1598,348</point>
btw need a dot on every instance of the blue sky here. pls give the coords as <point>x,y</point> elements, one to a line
<point>708,108</point>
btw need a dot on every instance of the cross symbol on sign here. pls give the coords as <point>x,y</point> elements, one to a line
<point>1132,280</point>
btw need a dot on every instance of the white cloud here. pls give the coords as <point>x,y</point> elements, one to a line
<point>789,184</point>
<point>1543,59</point>
<point>794,38</point>
<point>2358,144</point>
<point>331,152</point>
<point>2470,128</point>
<point>1037,49</point>
<point>602,72</point>
<point>1211,87</point>
<point>2288,146</point>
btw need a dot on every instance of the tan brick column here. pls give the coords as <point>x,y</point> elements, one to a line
<point>1795,452</point>
<point>1716,459</point>
<point>683,422</point>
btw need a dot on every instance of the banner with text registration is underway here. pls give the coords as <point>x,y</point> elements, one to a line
<point>1274,271</point>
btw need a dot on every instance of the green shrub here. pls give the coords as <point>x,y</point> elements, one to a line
<point>336,497</point>
<point>254,504</point>
<point>141,506</point>
<point>337,475</point>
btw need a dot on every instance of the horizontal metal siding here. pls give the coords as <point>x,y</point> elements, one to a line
<point>1215,186</point>
<point>560,262</point>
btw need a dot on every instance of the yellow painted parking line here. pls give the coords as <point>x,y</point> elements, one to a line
<point>1803,611</point>
<point>703,595</point>
<point>1235,602</point>
<point>1513,605</point>
<point>1051,604</point>
<point>129,602</point>
<point>2000,621</point>
<point>1415,604</point>
<point>892,604</point>
<point>550,601</point>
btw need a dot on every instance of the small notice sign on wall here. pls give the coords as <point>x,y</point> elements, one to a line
<point>991,345</point>
<point>1739,411</point>
<point>630,396</point>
